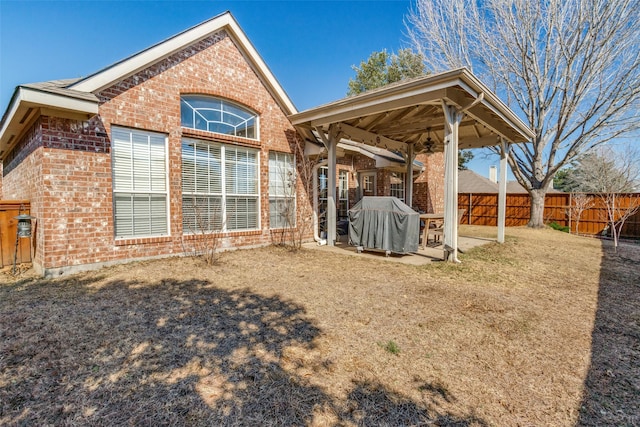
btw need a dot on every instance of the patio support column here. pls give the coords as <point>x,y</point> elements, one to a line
<point>330,140</point>
<point>452,119</point>
<point>409,176</point>
<point>502,189</point>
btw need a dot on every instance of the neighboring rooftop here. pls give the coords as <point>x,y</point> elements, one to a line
<point>472,182</point>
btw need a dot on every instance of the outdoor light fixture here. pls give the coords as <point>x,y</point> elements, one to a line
<point>24,225</point>
<point>23,231</point>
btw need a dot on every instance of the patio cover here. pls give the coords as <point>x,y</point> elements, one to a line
<point>441,112</point>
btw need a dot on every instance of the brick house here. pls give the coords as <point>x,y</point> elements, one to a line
<point>129,162</point>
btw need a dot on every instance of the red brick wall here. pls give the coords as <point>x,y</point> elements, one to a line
<point>68,163</point>
<point>23,180</point>
<point>428,187</point>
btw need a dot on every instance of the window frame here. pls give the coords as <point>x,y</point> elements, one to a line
<point>225,194</point>
<point>342,204</point>
<point>273,196</point>
<point>214,100</point>
<point>133,191</point>
<point>393,188</point>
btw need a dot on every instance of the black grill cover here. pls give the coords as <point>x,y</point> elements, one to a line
<point>384,223</point>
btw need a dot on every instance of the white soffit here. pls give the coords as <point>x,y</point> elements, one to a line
<point>26,100</point>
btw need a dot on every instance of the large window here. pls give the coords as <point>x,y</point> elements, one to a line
<point>218,115</point>
<point>397,185</point>
<point>282,190</point>
<point>220,187</point>
<point>139,163</point>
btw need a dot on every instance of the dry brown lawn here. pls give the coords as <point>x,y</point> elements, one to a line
<point>542,330</point>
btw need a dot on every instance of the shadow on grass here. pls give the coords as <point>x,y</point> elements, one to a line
<point>612,386</point>
<point>170,353</point>
<point>371,404</point>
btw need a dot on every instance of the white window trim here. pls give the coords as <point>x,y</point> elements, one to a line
<point>223,194</point>
<point>284,197</point>
<point>166,192</point>
<point>402,177</point>
<point>195,112</point>
<point>346,199</point>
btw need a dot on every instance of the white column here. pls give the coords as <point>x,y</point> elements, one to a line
<point>502,189</point>
<point>332,145</point>
<point>452,119</point>
<point>408,188</point>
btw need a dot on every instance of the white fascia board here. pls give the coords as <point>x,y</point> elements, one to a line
<point>378,97</point>
<point>11,113</point>
<point>46,99</point>
<point>143,59</point>
<point>162,50</point>
<point>30,97</point>
<point>474,86</point>
<point>262,67</point>
<point>325,115</point>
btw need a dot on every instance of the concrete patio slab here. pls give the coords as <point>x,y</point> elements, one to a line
<point>434,252</point>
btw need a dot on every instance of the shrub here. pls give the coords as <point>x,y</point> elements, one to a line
<point>559,227</point>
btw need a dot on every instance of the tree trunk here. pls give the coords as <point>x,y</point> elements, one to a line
<point>536,217</point>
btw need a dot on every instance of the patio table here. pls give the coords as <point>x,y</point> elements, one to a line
<point>428,219</point>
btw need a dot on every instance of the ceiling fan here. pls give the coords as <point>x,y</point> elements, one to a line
<point>426,146</point>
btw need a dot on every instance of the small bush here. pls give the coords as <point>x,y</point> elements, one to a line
<point>391,347</point>
<point>559,227</point>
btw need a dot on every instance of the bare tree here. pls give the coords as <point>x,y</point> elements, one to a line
<point>293,210</point>
<point>571,67</point>
<point>203,223</point>
<point>579,202</point>
<point>609,174</point>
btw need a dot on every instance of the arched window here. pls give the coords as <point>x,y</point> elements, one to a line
<point>218,115</point>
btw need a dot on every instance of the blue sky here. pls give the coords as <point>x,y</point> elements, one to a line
<point>310,46</point>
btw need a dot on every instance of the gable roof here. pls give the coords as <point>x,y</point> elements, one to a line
<point>76,97</point>
<point>472,182</point>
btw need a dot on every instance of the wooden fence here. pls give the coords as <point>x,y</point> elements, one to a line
<point>8,231</point>
<point>482,209</point>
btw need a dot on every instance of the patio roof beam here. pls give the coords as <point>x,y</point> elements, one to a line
<point>370,138</point>
<point>482,115</point>
<point>376,119</point>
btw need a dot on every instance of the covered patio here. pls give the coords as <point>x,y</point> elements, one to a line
<point>443,112</point>
<point>468,238</point>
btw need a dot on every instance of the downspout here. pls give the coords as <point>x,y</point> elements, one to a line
<point>316,234</point>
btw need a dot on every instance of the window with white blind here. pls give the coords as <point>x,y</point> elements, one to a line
<point>282,190</point>
<point>220,187</point>
<point>139,166</point>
